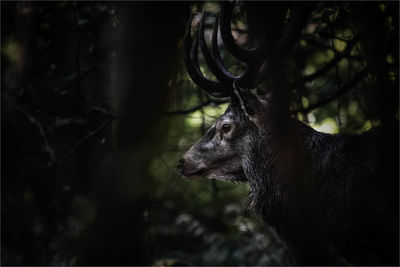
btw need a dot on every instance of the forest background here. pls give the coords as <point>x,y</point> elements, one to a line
<point>97,109</point>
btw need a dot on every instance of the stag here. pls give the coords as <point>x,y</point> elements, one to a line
<point>332,198</point>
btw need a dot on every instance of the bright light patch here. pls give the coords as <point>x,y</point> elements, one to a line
<point>339,44</point>
<point>215,111</point>
<point>305,102</point>
<point>311,118</point>
<point>310,69</point>
<point>195,119</point>
<point>367,125</point>
<point>328,125</point>
<point>12,51</point>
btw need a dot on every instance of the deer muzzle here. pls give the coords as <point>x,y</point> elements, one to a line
<point>190,168</point>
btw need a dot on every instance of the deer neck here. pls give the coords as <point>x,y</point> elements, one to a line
<point>280,168</point>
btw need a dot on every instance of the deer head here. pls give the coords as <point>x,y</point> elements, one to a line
<point>221,152</point>
<point>225,148</point>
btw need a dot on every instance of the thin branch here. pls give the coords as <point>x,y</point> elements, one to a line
<point>27,101</point>
<point>328,66</point>
<point>343,90</point>
<point>363,109</point>
<point>102,111</point>
<point>198,107</point>
<point>62,122</point>
<point>83,140</point>
<point>46,147</point>
<point>312,41</point>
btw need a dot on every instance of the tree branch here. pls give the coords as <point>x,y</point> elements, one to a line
<point>46,147</point>
<point>83,140</point>
<point>328,66</point>
<point>195,108</point>
<point>343,90</point>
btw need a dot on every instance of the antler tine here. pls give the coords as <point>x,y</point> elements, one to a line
<point>190,50</point>
<point>245,55</point>
<point>245,78</point>
<point>217,68</point>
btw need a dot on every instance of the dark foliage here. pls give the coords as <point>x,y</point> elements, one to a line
<point>96,109</point>
<point>331,197</point>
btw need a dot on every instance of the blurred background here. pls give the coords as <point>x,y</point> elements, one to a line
<point>97,108</point>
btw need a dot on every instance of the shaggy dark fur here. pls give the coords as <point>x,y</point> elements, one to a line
<point>339,204</point>
<point>333,198</point>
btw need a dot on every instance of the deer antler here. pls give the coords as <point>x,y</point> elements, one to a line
<point>224,86</point>
<point>252,57</point>
<point>190,49</point>
<point>245,55</point>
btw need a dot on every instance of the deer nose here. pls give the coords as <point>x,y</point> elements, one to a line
<point>180,165</point>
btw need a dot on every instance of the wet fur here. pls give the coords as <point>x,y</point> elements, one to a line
<point>332,198</point>
<point>338,205</point>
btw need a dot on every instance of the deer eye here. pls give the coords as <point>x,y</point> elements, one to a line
<point>226,127</point>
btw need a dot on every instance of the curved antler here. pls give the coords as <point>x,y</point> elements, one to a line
<point>254,58</point>
<point>224,86</point>
<point>217,68</point>
<point>245,55</point>
<point>216,64</point>
<point>190,58</point>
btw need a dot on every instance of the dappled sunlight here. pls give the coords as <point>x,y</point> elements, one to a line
<point>328,125</point>
<point>209,114</point>
<point>100,105</point>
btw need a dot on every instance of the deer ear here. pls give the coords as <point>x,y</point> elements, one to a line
<point>241,99</point>
<point>256,108</point>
